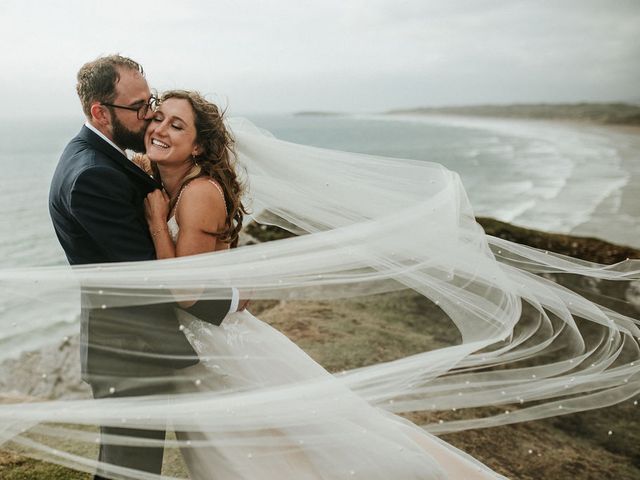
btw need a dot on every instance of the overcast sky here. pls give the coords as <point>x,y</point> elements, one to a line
<point>342,55</point>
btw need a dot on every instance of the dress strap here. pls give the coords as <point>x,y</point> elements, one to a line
<point>175,207</point>
<point>221,193</point>
<point>214,183</point>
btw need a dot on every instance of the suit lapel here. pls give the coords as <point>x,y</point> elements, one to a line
<point>99,144</point>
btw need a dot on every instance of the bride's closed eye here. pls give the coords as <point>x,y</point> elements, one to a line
<point>160,118</point>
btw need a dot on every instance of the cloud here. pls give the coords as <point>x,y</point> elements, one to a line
<point>357,55</point>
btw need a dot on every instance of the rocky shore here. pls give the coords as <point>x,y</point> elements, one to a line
<point>350,333</point>
<point>585,248</point>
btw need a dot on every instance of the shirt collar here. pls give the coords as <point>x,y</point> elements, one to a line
<point>102,135</point>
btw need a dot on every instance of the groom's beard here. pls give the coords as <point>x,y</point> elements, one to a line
<point>128,139</point>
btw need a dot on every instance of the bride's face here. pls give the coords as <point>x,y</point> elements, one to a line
<point>171,135</point>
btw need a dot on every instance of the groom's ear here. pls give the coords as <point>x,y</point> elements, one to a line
<point>99,114</point>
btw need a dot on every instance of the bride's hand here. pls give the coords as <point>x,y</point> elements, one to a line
<point>156,208</point>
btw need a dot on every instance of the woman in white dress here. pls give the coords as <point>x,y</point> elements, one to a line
<point>200,210</point>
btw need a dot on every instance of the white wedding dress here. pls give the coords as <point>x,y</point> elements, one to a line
<point>345,437</point>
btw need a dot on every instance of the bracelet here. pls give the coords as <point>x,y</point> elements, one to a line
<point>157,231</point>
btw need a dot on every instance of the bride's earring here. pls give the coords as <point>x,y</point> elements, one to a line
<point>195,156</point>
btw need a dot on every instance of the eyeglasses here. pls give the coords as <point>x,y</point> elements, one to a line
<point>142,110</point>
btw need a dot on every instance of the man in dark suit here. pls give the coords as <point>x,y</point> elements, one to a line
<point>96,205</point>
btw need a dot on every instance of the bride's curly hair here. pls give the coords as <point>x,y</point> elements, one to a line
<point>217,159</point>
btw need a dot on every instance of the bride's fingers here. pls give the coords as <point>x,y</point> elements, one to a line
<point>156,205</point>
<point>155,196</point>
<point>158,195</point>
<point>151,202</point>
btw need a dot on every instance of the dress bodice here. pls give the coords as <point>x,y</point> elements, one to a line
<point>172,223</point>
<point>174,229</point>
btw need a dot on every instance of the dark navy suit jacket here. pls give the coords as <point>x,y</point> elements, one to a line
<point>96,203</point>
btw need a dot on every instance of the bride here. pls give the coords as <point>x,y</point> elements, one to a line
<point>200,210</point>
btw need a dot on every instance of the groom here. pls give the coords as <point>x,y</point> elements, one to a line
<point>96,205</point>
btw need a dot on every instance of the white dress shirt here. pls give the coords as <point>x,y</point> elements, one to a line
<point>103,136</point>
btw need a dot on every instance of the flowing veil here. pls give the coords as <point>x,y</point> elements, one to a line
<point>364,225</point>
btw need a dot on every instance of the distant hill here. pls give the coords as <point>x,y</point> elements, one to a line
<point>606,113</point>
<point>313,113</point>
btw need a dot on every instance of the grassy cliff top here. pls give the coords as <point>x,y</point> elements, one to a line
<point>350,333</point>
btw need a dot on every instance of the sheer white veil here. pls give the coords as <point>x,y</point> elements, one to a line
<point>365,225</point>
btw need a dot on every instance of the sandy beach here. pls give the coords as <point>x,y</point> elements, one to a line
<point>627,229</point>
<point>620,203</point>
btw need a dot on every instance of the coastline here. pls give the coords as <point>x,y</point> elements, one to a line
<point>589,248</point>
<point>621,202</point>
<point>617,113</point>
<point>592,120</point>
<point>630,129</point>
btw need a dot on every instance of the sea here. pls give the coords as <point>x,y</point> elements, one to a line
<point>552,176</point>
